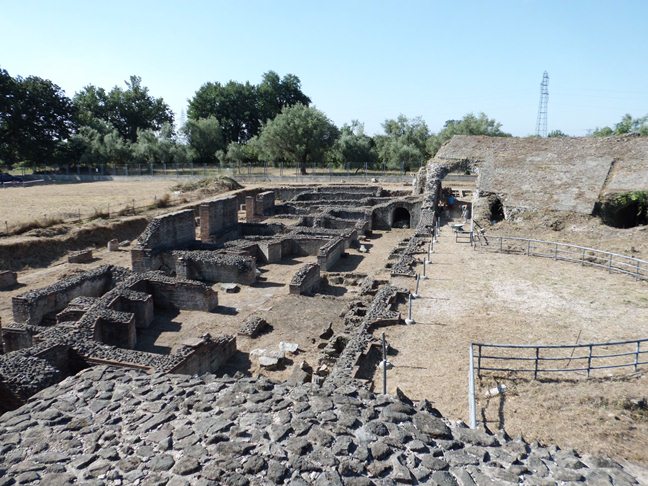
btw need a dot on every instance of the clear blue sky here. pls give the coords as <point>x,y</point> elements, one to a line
<point>365,60</point>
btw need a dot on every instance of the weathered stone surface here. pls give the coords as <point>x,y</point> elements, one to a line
<point>178,429</point>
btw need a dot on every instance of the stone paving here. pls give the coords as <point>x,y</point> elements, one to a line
<point>116,426</point>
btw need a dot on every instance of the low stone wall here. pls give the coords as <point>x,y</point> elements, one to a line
<point>175,293</point>
<point>206,355</point>
<point>31,307</point>
<point>8,279</point>
<point>306,280</point>
<point>208,266</point>
<point>330,253</point>
<point>170,231</point>
<point>139,304</point>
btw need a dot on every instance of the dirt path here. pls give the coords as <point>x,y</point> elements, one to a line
<point>473,297</point>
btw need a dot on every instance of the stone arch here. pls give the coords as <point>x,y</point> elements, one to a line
<point>401,218</point>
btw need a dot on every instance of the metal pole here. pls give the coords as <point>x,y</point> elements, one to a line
<point>409,319</point>
<point>416,292</point>
<point>589,361</point>
<point>472,412</point>
<point>636,363</point>
<point>425,277</point>
<point>537,359</point>
<point>384,353</point>
<point>429,253</point>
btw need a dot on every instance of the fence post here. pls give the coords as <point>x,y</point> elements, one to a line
<point>479,355</point>
<point>589,361</point>
<point>638,266</point>
<point>636,363</point>
<point>410,319</point>
<point>528,247</point>
<point>537,361</point>
<point>384,353</point>
<point>416,291</point>
<point>501,243</point>
<point>610,264</point>
<point>471,390</point>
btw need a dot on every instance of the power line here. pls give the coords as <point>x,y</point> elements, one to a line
<point>541,123</point>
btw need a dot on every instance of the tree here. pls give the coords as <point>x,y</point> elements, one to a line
<point>205,139</point>
<point>274,93</point>
<point>557,134</point>
<point>353,146</point>
<point>241,108</point>
<point>404,142</point>
<point>626,126</point>
<point>468,125</point>
<point>35,117</point>
<point>299,134</point>
<point>234,105</point>
<point>127,110</point>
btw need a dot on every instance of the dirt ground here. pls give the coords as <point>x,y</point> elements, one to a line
<point>497,298</point>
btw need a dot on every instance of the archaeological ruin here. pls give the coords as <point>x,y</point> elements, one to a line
<point>239,340</point>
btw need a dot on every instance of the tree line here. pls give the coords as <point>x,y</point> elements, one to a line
<point>231,123</point>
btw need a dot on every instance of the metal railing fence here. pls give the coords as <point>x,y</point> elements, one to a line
<point>613,262</point>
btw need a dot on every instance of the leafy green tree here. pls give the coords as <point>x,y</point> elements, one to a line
<point>275,93</point>
<point>468,125</point>
<point>205,139</point>
<point>299,134</point>
<point>127,110</point>
<point>557,134</point>
<point>35,117</point>
<point>241,108</point>
<point>404,142</point>
<point>626,126</point>
<point>242,153</point>
<point>353,146</point>
<point>234,105</point>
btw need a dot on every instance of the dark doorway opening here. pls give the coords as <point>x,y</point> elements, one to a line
<point>496,209</point>
<point>625,210</point>
<point>401,218</point>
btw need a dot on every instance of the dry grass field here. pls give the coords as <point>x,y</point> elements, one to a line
<point>22,204</point>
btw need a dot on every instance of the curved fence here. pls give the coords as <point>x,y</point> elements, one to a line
<point>612,262</point>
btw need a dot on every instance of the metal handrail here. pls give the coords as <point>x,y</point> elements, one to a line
<point>591,358</point>
<point>574,253</point>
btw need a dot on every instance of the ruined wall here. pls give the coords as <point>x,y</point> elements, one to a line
<point>217,216</point>
<point>208,266</point>
<point>330,253</point>
<point>169,231</point>
<point>306,280</point>
<point>31,307</point>
<point>174,293</point>
<point>207,355</point>
<point>562,173</point>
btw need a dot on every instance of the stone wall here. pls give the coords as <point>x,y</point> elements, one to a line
<point>173,293</point>
<point>218,216</point>
<point>209,266</point>
<point>330,253</point>
<point>206,355</point>
<point>31,307</point>
<point>562,173</point>
<point>8,279</point>
<point>306,280</point>
<point>170,231</point>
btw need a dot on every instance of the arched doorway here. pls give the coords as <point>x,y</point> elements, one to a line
<point>401,218</point>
